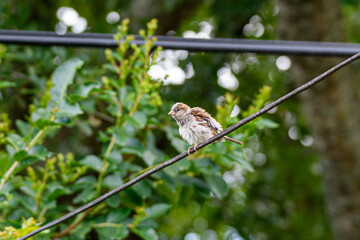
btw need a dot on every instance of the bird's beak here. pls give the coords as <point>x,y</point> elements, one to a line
<point>171,113</point>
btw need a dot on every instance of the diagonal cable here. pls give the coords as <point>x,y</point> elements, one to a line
<point>201,145</point>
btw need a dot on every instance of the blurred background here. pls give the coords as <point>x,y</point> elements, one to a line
<point>305,184</point>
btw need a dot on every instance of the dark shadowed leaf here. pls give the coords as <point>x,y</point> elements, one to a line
<point>217,185</point>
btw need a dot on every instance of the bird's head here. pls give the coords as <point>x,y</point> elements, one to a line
<point>179,111</point>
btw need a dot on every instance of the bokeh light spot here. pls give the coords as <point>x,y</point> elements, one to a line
<point>283,63</point>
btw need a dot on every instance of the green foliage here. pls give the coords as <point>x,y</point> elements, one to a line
<point>124,106</point>
<point>27,226</point>
<point>281,199</point>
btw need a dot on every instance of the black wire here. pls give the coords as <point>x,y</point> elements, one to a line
<point>101,40</point>
<point>201,145</point>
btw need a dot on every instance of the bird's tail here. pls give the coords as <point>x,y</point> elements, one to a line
<point>233,140</point>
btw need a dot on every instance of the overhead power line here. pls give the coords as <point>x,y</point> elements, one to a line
<point>99,40</point>
<point>201,145</point>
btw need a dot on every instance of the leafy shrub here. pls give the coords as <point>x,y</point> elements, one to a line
<point>122,107</point>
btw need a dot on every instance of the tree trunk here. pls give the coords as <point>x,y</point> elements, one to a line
<point>332,109</point>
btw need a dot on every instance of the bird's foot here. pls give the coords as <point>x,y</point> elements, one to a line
<point>194,146</point>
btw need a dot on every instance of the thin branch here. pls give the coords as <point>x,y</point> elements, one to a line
<point>201,145</point>
<point>34,140</point>
<point>16,163</point>
<point>72,226</point>
<point>8,174</point>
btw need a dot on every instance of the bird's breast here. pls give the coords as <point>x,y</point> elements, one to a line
<point>187,134</point>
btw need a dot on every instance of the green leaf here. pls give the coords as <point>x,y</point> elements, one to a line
<point>150,157</point>
<point>110,67</point>
<point>217,185</point>
<point>143,189</point>
<point>179,144</point>
<point>146,233</point>
<point>115,157</point>
<point>113,201</point>
<point>85,196</point>
<point>16,181</point>
<point>240,159</point>
<point>16,141</point>
<point>62,78</point>
<point>123,133</point>
<point>150,109</point>
<point>28,203</point>
<point>81,231</point>
<point>112,181</point>
<point>165,191</point>
<point>133,146</point>
<point>118,215</point>
<point>218,148</point>
<point>92,162</point>
<point>130,198</point>
<point>41,118</point>
<point>5,164</point>
<point>124,93</point>
<point>39,151</point>
<point>5,84</point>
<point>83,90</point>
<point>54,190</point>
<point>155,211</point>
<point>20,155</point>
<point>182,165</point>
<point>266,123</point>
<point>206,166</point>
<point>68,109</point>
<point>138,120</point>
<point>86,181</point>
<point>24,127</point>
<point>200,186</point>
<point>107,231</point>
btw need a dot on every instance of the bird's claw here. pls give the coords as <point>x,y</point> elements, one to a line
<point>194,146</point>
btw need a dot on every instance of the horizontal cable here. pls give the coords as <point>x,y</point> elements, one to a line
<point>201,145</point>
<point>100,40</point>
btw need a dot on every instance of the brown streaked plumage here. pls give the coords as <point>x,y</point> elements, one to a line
<point>196,125</point>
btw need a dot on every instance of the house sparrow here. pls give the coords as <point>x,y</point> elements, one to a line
<point>196,125</point>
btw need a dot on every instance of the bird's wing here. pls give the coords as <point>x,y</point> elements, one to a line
<point>203,118</point>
